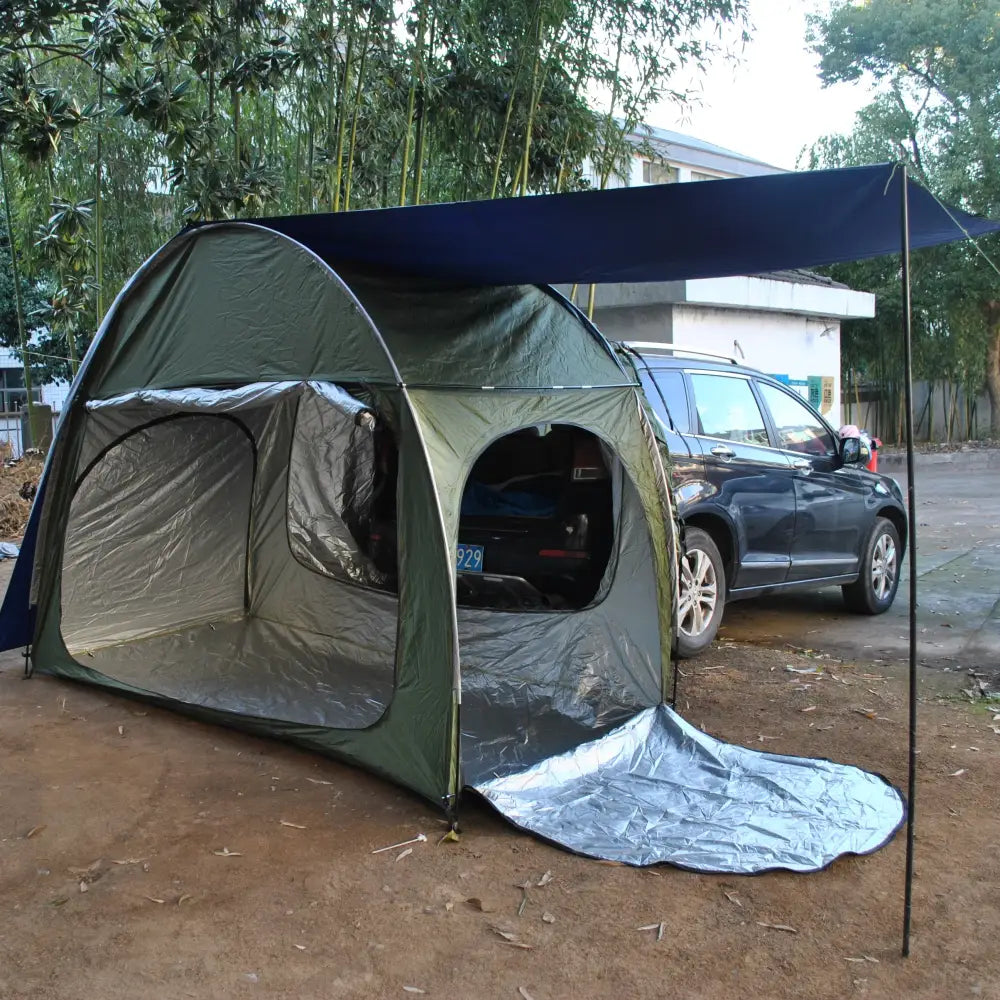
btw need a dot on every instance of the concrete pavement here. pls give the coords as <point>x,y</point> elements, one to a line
<point>958,581</point>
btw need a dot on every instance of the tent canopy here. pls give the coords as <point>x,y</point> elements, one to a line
<point>195,529</point>
<point>655,233</point>
<point>664,232</point>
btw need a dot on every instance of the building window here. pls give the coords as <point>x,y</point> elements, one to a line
<point>13,395</point>
<point>658,173</point>
<point>697,175</point>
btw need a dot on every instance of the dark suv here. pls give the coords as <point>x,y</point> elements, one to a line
<point>769,496</point>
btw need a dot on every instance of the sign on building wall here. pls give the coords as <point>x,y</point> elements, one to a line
<point>817,390</point>
<point>821,393</point>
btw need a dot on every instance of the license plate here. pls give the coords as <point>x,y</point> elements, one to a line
<point>470,558</point>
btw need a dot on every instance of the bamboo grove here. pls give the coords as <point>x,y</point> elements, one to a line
<point>120,120</point>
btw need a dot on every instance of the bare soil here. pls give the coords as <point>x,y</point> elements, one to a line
<point>17,487</point>
<point>144,854</point>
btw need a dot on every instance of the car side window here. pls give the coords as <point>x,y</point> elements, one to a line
<point>799,429</point>
<point>727,409</point>
<point>668,397</point>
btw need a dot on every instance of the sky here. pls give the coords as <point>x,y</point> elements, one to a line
<point>770,104</point>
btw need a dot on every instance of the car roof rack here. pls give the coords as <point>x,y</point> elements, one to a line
<point>652,347</point>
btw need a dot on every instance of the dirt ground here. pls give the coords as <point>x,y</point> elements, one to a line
<point>144,853</point>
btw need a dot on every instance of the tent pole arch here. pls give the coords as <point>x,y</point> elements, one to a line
<point>20,604</point>
<point>456,696</point>
<point>330,272</point>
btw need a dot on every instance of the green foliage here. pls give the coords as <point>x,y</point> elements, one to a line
<point>932,66</point>
<point>120,120</point>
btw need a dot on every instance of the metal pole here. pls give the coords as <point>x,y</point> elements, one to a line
<point>911,785</point>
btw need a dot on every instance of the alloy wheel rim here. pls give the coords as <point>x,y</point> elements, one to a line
<point>884,567</point>
<point>699,593</point>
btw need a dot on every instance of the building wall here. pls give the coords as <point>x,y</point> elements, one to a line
<point>784,344</point>
<point>52,394</point>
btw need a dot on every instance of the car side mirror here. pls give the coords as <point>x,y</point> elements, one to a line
<point>854,451</point>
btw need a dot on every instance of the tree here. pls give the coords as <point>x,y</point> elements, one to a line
<point>120,120</point>
<point>932,65</point>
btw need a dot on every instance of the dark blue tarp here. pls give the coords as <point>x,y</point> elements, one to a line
<point>659,233</point>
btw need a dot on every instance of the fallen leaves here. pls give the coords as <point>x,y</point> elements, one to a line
<point>777,927</point>
<point>226,853</point>
<point>34,831</point>
<point>86,875</point>
<point>870,713</point>
<point>511,939</point>
<point>420,838</point>
<point>294,826</point>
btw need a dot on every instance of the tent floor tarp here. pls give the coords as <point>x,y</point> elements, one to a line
<point>648,790</point>
<point>253,667</point>
<point>657,789</point>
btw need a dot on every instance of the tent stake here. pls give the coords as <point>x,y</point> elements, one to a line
<point>911,786</point>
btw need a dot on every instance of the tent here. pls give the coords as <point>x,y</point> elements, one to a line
<point>198,544</point>
<point>262,396</point>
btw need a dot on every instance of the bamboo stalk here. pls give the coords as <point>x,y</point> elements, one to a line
<point>507,115</point>
<point>355,114</point>
<point>422,120</point>
<point>213,20</point>
<point>411,102</point>
<point>342,115</point>
<point>99,199</point>
<point>533,98</point>
<point>22,336</point>
<point>298,142</point>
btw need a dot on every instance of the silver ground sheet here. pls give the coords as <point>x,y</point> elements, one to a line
<point>640,786</point>
<point>253,667</point>
<point>656,789</point>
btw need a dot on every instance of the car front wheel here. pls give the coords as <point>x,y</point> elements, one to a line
<point>875,588</point>
<point>702,593</point>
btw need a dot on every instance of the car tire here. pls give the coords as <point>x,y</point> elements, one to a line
<point>702,587</point>
<point>875,588</point>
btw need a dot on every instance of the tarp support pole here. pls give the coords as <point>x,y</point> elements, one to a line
<point>911,784</point>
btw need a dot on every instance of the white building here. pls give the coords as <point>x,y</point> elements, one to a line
<point>786,323</point>
<point>13,396</point>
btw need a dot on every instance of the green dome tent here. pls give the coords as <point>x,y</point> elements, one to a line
<point>206,535</point>
<point>259,494</point>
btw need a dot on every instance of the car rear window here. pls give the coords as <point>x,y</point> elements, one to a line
<point>668,397</point>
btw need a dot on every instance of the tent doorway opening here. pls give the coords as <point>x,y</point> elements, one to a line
<point>536,527</point>
<point>215,553</point>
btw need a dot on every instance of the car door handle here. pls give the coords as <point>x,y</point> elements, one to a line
<point>721,451</point>
<point>802,464</point>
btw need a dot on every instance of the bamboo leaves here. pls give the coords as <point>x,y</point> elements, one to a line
<point>153,112</point>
